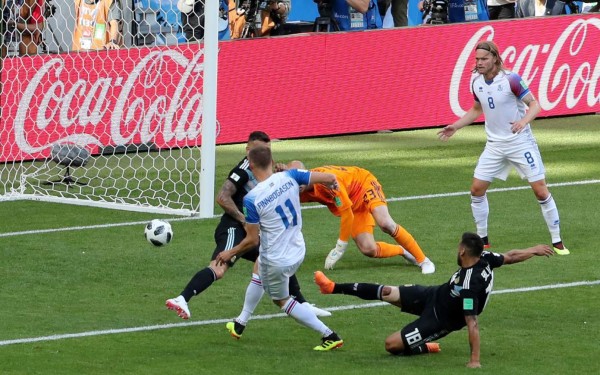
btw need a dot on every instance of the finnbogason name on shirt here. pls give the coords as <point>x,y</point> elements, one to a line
<point>274,195</point>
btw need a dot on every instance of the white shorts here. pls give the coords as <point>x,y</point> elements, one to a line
<point>276,279</point>
<point>498,158</point>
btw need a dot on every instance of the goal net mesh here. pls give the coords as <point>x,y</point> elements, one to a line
<point>131,97</point>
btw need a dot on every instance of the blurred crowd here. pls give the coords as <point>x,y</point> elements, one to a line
<point>43,26</point>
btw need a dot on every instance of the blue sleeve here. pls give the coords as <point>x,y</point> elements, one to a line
<point>250,210</point>
<point>518,85</point>
<point>301,176</point>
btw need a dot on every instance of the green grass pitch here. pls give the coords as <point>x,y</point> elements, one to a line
<point>85,293</point>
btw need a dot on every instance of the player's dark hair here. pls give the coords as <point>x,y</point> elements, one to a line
<point>260,157</point>
<point>473,243</point>
<point>259,136</point>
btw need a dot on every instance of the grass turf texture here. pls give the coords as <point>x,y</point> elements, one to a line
<point>91,279</point>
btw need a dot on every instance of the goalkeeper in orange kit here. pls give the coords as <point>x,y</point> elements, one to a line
<point>360,203</point>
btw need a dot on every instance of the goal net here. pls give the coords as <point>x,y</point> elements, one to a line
<point>105,112</point>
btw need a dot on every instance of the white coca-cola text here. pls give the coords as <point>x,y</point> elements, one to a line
<point>80,109</point>
<point>570,72</point>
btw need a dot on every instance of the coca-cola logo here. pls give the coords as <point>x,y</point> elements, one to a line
<point>160,96</point>
<point>155,94</point>
<point>570,69</point>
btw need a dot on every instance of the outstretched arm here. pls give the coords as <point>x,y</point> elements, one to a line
<point>327,179</point>
<point>471,115</point>
<point>520,255</point>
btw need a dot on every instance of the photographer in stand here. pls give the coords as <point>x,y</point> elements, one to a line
<point>264,17</point>
<point>452,11</point>
<point>349,15</point>
<point>435,12</point>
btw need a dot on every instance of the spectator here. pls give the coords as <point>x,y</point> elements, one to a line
<point>3,39</point>
<point>270,19</point>
<point>537,8</point>
<point>97,25</point>
<point>350,15</point>
<point>400,12</point>
<point>452,11</point>
<point>531,8</point>
<point>29,25</point>
<point>501,9</point>
<point>434,11</point>
<point>590,7</point>
<point>192,19</point>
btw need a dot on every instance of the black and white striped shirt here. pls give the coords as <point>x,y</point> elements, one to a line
<point>467,292</point>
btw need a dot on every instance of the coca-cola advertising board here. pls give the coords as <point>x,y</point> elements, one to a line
<point>291,87</point>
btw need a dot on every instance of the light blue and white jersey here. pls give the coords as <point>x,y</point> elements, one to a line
<point>275,204</point>
<point>501,101</point>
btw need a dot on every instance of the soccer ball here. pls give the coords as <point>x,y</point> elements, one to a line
<point>158,232</point>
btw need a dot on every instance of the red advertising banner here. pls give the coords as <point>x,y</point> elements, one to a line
<point>291,87</point>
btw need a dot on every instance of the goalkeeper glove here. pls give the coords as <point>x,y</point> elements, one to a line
<point>335,254</point>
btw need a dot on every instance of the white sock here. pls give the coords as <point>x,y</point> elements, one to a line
<point>305,316</point>
<point>550,213</point>
<point>481,211</point>
<point>254,293</point>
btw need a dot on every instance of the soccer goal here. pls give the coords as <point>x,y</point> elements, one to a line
<point>119,127</point>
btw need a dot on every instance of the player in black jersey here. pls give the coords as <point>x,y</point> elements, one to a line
<point>444,308</point>
<point>229,233</point>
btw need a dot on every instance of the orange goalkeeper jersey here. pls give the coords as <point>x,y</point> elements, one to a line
<point>359,191</point>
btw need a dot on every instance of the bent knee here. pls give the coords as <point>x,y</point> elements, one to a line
<point>387,225</point>
<point>370,251</point>
<point>219,271</point>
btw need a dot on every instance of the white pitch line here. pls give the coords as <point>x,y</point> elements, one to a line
<point>259,317</point>
<point>398,199</point>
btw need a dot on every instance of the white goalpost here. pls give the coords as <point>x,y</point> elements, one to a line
<point>132,129</point>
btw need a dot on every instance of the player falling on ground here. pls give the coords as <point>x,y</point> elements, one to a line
<point>229,233</point>
<point>360,203</point>
<point>274,220</point>
<point>441,309</point>
<point>503,97</point>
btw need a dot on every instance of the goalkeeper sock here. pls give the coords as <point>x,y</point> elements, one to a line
<point>406,240</point>
<point>386,250</point>
<point>201,280</point>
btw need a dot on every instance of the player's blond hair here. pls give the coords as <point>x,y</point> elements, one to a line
<point>491,47</point>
